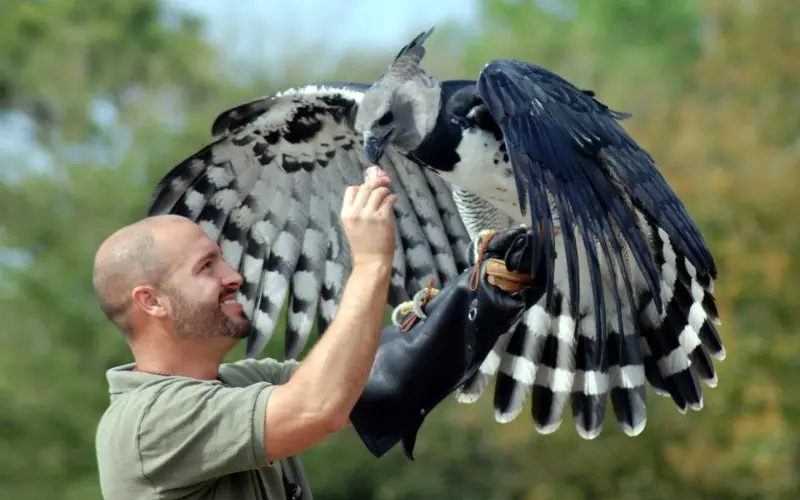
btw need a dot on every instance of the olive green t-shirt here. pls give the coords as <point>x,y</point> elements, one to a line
<point>165,438</point>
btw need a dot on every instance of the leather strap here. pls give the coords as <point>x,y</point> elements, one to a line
<point>502,278</point>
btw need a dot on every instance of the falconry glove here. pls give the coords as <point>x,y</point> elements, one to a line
<point>444,338</point>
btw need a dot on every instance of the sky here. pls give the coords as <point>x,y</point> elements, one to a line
<point>264,26</point>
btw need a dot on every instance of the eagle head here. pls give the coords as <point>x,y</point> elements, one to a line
<point>401,107</point>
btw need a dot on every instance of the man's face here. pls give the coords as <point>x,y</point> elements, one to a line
<point>202,289</point>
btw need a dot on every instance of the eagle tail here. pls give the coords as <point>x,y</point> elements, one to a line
<point>559,360</point>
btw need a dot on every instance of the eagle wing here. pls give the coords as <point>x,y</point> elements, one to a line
<point>630,278</point>
<point>269,188</point>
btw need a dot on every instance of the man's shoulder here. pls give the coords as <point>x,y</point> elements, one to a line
<point>117,438</point>
<point>248,371</point>
<point>151,437</point>
<point>131,405</point>
<point>122,418</point>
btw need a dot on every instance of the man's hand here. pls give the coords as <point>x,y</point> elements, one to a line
<point>368,219</point>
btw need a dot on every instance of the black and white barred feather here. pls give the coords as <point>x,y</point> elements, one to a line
<point>560,364</point>
<point>617,317</point>
<point>269,189</point>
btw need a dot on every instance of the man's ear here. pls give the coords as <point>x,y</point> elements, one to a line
<point>149,300</point>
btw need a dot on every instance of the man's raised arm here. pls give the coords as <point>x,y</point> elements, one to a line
<point>317,400</point>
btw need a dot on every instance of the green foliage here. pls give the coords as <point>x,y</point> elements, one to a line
<point>623,43</point>
<point>712,85</point>
<point>56,58</point>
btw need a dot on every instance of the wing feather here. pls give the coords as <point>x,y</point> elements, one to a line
<point>631,285</point>
<point>338,263</point>
<point>268,188</point>
<point>307,279</point>
<point>429,219</point>
<point>282,265</point>
<point>420,265</point>
<point>264,240</point>
<point>443,196</point>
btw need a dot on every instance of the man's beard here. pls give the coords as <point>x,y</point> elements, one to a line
<point>205,319</point>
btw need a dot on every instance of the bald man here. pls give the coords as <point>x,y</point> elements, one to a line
<point>180,423</point>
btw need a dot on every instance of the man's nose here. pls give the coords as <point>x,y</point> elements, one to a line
<point>232,277</point>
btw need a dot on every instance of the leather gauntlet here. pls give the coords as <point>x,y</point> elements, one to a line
<point>444,340</point>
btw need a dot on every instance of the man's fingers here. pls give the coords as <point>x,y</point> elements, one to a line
<point>366,190</point>
<point>376,198</point>
<point>374,173</point>
<point>371,174</point>
<point>357,197</point>
<point>387,203</point>
<point>349,195</point>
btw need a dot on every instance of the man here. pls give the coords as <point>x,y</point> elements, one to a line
<point>182,425</point>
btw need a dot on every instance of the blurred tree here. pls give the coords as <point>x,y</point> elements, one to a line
<point>150,72</point>
<point>624,43</point>
<point>710,84</point>
<point>58,59</point>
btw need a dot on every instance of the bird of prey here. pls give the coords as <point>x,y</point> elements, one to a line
<point>630,278</point>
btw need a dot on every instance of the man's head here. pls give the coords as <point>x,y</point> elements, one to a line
<point>164,273</point>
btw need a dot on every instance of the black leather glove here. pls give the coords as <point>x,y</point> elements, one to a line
<point>423,359</point>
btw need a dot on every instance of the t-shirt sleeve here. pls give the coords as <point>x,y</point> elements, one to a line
<point>249,371</point>
<point>194,431</point>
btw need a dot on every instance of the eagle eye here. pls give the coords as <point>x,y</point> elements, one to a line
<point>386,119</point>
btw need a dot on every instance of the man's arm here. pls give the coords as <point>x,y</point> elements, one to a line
<point>317,400</point>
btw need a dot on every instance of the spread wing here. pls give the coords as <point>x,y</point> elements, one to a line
<point>269,189</point>
<point>630,296</point>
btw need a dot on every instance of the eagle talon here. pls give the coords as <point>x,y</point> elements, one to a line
<point>413,309</point>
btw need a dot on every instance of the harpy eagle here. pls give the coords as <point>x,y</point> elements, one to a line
<point>630,281</point>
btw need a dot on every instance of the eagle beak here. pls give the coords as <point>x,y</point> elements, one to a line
<point>374,147</point>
